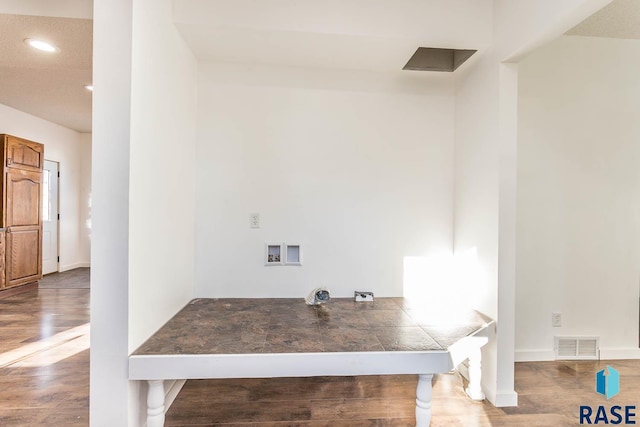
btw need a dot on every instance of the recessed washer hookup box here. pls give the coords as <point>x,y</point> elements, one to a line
<point>363,296</point>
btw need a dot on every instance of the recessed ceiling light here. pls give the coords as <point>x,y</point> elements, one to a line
<point>89,87</point>
<point>40,45</point>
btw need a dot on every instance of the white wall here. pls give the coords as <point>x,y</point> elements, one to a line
<point>485,231</point>
<point>162,171</point>
<point>476,186</point>
<point>579,196</point>
<point>109,385</point>
<point>356,167</point>
<point>61,145</point>
<point>143,154</point>
<point>161,177</point>
<point>476,182</point>
<point>85,197</point>
<point>485,193</point>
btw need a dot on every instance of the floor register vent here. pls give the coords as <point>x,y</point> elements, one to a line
<point>577,348</point>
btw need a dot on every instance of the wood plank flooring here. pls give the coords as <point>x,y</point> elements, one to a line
<point>77,278</point>
<point>44,358</point>
<point>44,378</point>
<point>550,395</point>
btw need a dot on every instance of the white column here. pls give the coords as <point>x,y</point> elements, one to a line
<point>155,404</point>
<point>423,400</point>
<point>474,389</point>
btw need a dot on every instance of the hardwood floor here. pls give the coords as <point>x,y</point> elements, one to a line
<point>44,378</point>
<point>44,363</point>
<point>550,395</point>
<point>77,278</point>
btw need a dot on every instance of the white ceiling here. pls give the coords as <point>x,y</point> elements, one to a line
<point>59,8</point>
<point>347,34</point>
<point>339,34</point>
<point>620,19</point>
<point>47,85</point>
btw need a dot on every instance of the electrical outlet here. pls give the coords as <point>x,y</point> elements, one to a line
<point>254,220</point>
<point>556,320</point>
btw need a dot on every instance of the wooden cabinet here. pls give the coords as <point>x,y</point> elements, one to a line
<point>22,196</point>
<point>2,259</point>
<point>23,154</point>
<point>23,255</point>
<point>21,216</point>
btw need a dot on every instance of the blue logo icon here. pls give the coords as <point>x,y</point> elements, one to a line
<point>608,384</point>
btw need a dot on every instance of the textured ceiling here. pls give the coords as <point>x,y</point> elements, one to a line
<point>620,19</point>
<point>46,85</point>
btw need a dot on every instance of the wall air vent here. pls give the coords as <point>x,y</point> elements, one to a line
<point>436,59</point>
<point>577,348</point>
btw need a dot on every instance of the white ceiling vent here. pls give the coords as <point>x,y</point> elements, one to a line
<point>577,348</point>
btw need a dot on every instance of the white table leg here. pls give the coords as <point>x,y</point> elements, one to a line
<point>423,400</point>
<point>155,404</point>
<point>474,389</point>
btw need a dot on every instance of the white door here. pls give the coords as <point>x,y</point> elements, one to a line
<point>50,217</point>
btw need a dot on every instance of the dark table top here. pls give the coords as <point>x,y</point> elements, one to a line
<point>287,325</point>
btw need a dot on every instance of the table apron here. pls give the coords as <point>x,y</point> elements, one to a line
<point>270,365</point>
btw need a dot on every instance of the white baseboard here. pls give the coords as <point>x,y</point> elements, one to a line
<point>619,353</point>
<point>172,388</point>
<point>74,266</point>
<point>535,355</point>
<point>549,355</point>
<point>505,399</point>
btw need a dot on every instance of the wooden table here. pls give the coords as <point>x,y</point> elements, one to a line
<point>282,337</point>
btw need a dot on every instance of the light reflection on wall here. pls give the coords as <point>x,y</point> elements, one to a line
<point>87,223</point>
<point>442,277</point>
<point>468,276</point>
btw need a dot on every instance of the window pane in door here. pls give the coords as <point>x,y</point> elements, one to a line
<point>46,202</point>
